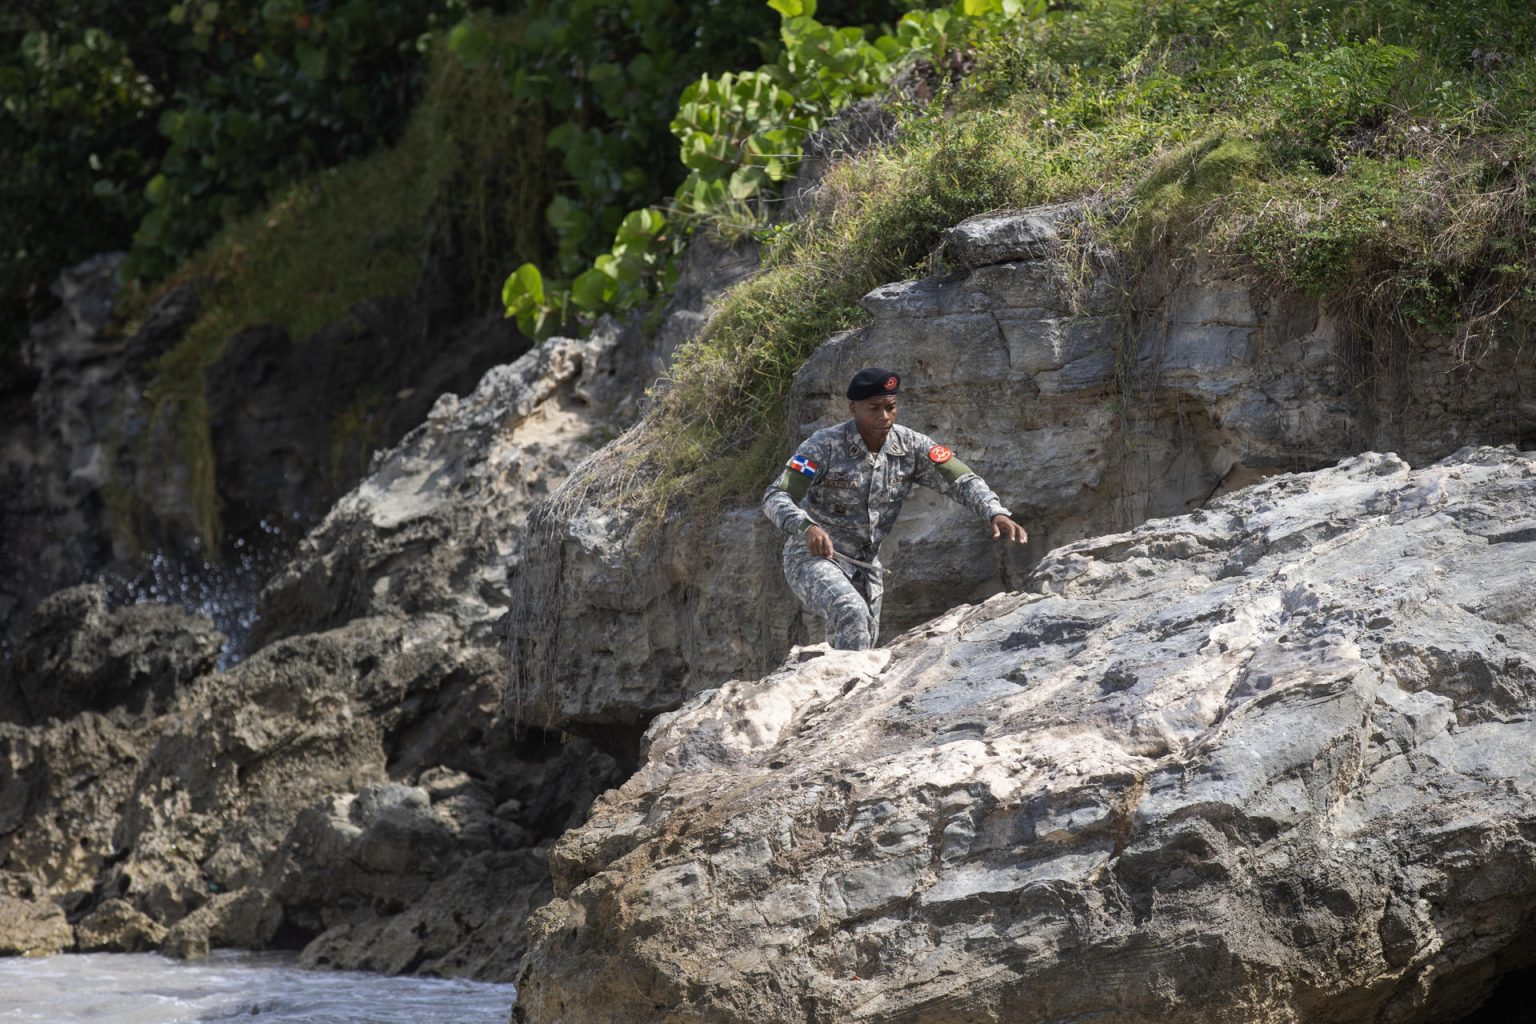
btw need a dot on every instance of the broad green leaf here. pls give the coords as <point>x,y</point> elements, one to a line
<point>469,43</point>
<point>593,290</point>
<point>794,8</point>
<point>313,61</point>
<point>523,289</point>
<point>158,190</point>
<point>746,182</point>
<point>632,229</point>
<point>563,137</point>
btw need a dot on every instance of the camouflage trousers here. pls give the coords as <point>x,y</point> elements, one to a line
<point>847,596</point>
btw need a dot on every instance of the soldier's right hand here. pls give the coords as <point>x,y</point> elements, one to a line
<point>817,540</point>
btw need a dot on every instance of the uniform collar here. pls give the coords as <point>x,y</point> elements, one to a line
<point>895,441</point>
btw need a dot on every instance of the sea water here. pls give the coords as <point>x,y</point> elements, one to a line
<point>143,988</point>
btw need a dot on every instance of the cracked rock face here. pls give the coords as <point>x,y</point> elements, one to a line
<point>1268,762</point>
<point>351,786</point>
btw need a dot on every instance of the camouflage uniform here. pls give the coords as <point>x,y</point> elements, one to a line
<point>835,482</point>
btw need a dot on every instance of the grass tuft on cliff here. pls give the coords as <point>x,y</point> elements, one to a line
<point>1375,155</point>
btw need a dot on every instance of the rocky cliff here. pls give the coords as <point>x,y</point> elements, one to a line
<point>1087,409</point>
<point>1269,762</point>
<point>350,787</point>
<point>113,464</point>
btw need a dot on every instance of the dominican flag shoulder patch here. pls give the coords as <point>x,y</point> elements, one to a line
<point>939,455</point>
<point>802,465</point>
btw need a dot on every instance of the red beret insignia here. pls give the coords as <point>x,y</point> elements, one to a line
<point>939,455</point>
<point>890,384</point>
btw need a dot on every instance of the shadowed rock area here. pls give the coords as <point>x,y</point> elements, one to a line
<point>1266,762</point>
<point>351,786</point>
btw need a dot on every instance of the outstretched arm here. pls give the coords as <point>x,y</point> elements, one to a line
<point>938,468</point>
<point>781,504</point>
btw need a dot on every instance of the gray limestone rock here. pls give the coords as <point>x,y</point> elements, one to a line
<point>246,919</point>
<point>353,780</point>
<point>1010,235</point>
<point>30,923</point>
<point>472,922</point>
<point>116,926</point>
<point>1269,762</point>
<point>433,526</point>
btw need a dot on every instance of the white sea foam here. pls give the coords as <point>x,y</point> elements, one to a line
<point>142,988</point>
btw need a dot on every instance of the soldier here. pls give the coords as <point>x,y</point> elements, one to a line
<point>840,495</point>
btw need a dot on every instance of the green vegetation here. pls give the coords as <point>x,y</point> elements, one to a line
<point>1377,156</point>
<point>455,188</point>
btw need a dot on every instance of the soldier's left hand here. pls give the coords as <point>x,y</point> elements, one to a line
<point>1007,529</point>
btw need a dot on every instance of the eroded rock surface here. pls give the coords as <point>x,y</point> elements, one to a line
<point>1267,762</point>
<point>207,818</point>
<point>29,924</point>
<point>96,466</point>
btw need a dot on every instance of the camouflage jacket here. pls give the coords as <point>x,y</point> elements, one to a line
<point>855,494</point>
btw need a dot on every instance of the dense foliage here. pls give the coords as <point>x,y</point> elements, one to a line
<point>1377,154</point>
<point>147,126</point>
<point>739,135</point>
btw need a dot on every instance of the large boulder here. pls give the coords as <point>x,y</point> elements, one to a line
<point>117,926</point>
<point>1266,762</point>
<point>29,925</point>
<point>32,927</point>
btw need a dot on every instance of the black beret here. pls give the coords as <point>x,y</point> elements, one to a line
<point>872,381</point>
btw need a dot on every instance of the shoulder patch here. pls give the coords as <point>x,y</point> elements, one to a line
<point>804,466</point>
<point>938,455</point>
